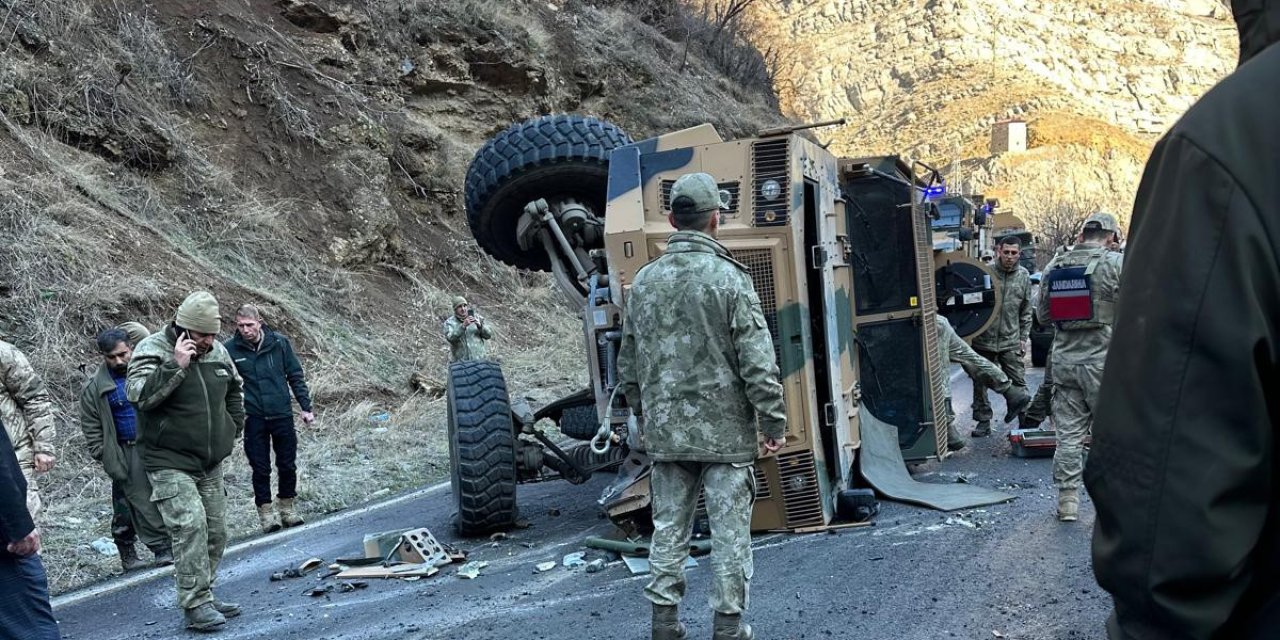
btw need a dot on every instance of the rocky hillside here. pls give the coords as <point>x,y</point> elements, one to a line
<point>306,156</point>
<point>1098,81</point>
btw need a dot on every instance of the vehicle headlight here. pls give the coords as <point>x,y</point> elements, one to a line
<point>770,190</point>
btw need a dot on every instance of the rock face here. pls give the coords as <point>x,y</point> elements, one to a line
<point>928,78</point>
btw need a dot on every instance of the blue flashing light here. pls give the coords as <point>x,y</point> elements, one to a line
<point>936,191</point>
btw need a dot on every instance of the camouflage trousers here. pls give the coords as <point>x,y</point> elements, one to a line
<point>1010,362</point>
<point>730,491</point>
<point>194,510</point>
<point>953,434</point>
<point>133,514</point>
<point>1075,394</point>
<point>1041,406</point>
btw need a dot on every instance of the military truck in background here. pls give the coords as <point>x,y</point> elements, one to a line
<point>841,255</point>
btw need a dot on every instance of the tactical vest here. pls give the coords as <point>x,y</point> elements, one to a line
<point>1075,302</point>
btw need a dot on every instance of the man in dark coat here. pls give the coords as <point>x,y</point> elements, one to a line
<point>271,372</point>
<point>1184,468</point>
<point>24,591</point>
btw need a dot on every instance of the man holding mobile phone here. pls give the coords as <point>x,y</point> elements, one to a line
<point>466,332</point>
<point>190,407</point>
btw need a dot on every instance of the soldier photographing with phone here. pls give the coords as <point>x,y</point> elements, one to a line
<point>466,332</point>
<point>190,412</point>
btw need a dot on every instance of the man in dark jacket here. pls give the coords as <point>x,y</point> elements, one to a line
<point>24,591</point>
<point>190,411</point>
<point>110,426</point>
<point>1184,469</point>
<point>270,370</point>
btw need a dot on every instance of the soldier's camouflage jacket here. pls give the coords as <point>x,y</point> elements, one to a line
<point>1013,323</point>
<point>26,408</point>
<point>1085,342</point>
<point>466,342</point>
<point>697,360</point>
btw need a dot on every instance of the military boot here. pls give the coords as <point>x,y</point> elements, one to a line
<point>163,556</point>
<point>288,516</point>
<point>129,560</point>
<point>227,609</point>
<point>1016,400</point>
<point>267,516</point>
<point>1028,423</point>
<point>666,623</point>
<point>204,618</point>
<point>1068,505</point>
<point>955,441</point>
<point>730,627</point>
<point>982,430</point>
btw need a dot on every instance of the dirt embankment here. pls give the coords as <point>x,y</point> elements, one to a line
<point>308,157</point>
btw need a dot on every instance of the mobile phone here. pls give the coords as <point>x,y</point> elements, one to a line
<point>471,312</point>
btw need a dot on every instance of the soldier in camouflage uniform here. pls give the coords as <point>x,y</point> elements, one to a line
<point>1079,346</point>
<point>466,332</point>
<point>952,348</point>
<point>697,368</point>
<point>1005,341</point>
<point>26,410</point>
<point>190,412</point>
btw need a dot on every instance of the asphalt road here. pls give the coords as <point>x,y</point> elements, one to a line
<point>1008,571</point>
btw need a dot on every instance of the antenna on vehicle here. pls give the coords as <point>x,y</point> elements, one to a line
<point>782,131</point>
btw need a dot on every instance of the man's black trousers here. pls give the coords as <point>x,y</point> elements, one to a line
<point>261,437</point>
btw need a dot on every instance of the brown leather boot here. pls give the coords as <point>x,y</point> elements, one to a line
<point>730,627</point>
<point>267,517</point>
<point>129,560</point>
<point>666,623</point>
<point>288,516</point>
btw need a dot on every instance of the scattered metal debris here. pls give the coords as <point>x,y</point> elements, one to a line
<point>471,570</point>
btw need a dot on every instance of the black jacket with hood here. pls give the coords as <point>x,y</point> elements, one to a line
<point>1185,465</point>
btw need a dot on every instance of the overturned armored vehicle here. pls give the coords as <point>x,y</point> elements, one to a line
<point>840,253</point>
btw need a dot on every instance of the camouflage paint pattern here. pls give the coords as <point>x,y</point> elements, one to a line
<point>1001,342</point>
<point>1010,363</point>
<point>194,509</point>
<point>1075,394</point>
<point>952,348</point>
<point>696,359</point>
<point>26,408</point>
<point>729,491</point>
<point>1041,406</point>
<point>1079,352</point>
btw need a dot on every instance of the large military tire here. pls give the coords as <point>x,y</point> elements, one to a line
<point>580,423</point>
<point>547,157</point>
<point>482,448</point>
